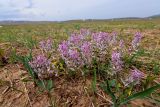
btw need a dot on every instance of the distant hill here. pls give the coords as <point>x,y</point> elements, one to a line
<point>10,22</point>
<point>67,21</point>
<point>155,16</point>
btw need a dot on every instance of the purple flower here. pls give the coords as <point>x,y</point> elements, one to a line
<point>41,65</point>
<point>75,39</point>
<point>84,32</point>
<point>42,44</point>
<point>114,37</point>
<point>63,48</point>
<point>122,47</point>
<point>100,37</point>
<point>74,58</point>
<point>39,61</point>
<point>136,40</point>
<point>49,44</point>
<point>101,40</point>
<point>121,44</point>
<point>135,77</point>
<point>116,61</point>
<point>74,54</point>
<point>46,45</point>
<point>86,50</point>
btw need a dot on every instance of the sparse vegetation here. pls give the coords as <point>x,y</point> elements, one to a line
<point>78,63</point>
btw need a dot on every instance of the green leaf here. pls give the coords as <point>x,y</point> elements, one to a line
<point>49,85</point>
<point>28,67</point>
<point>141,94</point>
<point>94,80</point>
<point>156,68</point>
<point>138,53</point>
<point>112,83</point>
<point>41,84</point>
<point>148,81</point>
<point>107,89</point>
<point>30,55</point>
<point>25,60</point>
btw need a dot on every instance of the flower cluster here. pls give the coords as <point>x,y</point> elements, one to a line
<point>134,77</point>
<point>136,40</point>
<point>46,45</point>
<point>63,49</point>
<point>41,66</point>
<point>117,63</point>
<point>85,32</point>
<point>101,40</point>
<point>42,63</point>
<point>76,51</point>
<point>121,44</point>
<point>87,45</point>
<point>75,39</point>
<point>74,56</point>
<point>82,48</point>
<point>86,52</point>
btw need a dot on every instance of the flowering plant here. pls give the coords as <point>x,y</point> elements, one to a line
<point>101,53</point>
<point>108,56</point>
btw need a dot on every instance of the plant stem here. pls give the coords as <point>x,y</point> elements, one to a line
<point>94,80</point>
<point>50,100</point>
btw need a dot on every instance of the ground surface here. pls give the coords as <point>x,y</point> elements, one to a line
<point>68,92</point>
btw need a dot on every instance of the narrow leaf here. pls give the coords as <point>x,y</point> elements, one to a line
<point>141,94</point>
<point>107,89</point>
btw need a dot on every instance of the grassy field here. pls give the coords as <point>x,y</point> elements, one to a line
<point>69,92</point>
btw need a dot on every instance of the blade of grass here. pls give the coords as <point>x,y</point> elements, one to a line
<point>140,94</point>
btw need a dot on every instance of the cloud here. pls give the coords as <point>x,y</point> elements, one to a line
<point>75,9</point>
<point>12,9</point>
<point>47,9</point>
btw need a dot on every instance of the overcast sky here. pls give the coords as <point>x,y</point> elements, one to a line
<point>57,10</point>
